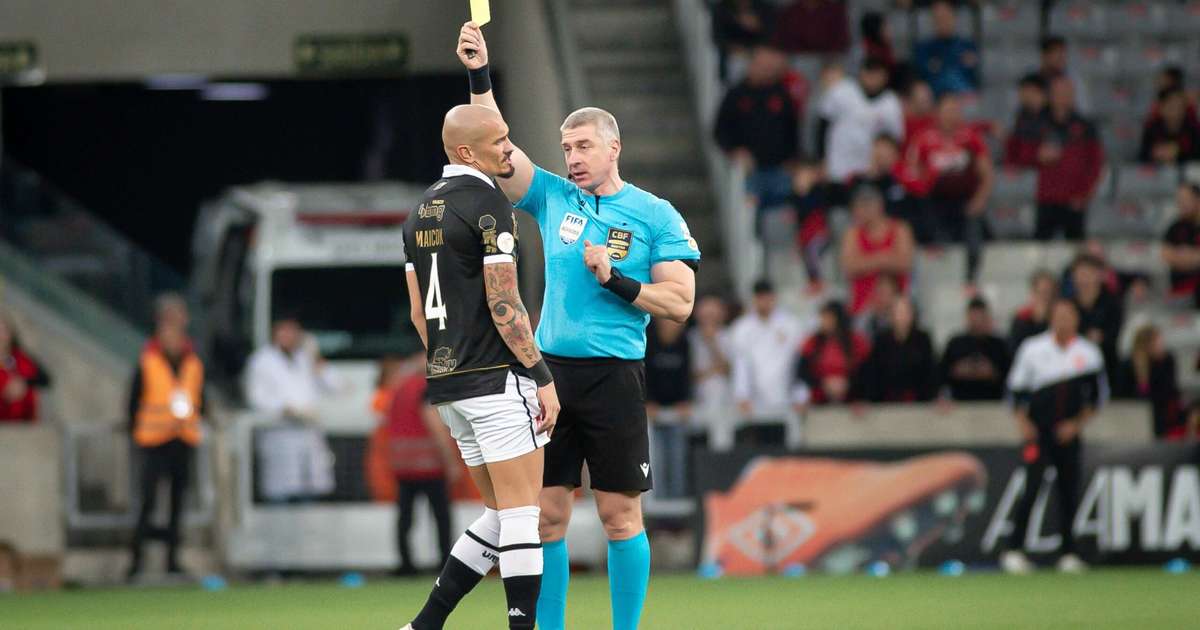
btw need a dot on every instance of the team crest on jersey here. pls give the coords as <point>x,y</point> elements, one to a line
<point>571,228</point>
<point>618,243</point>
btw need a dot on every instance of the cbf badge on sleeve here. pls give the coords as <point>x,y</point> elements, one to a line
<point>571,228</point>
<point>618,243</point>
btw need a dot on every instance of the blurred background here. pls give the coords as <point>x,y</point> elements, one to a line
<point>224,183</point>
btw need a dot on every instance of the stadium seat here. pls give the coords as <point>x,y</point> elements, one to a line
<point>1079,19</point>
<point>1143,60</point>
<point>1011,21</point>
<point>1120,97</point>
<point>1142,18</point>
<point>901,37</point>
<point>1135,256</point>
<point>1185,19</point>
<point>965,27</point>
<point>1137,208</point>
<point>1122,138</point>
<point>1096,60</point>
<point>1004,65</point>
<point>1011,210</point>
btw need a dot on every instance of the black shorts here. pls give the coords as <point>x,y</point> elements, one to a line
<point>602,423</point>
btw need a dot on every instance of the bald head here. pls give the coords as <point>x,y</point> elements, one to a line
<point>477,136</point>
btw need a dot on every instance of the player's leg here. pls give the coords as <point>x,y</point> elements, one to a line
<point>506,426</point>
<point>616,446</point>
<point>555,503</point>
<point>1067,464</point>
<point>478,549</point>
<point>1013,560</point>
<point>563,473</point>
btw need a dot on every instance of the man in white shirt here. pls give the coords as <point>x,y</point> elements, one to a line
<point>857,111</point>
<point>283,383</point>
<point>766,341</point>
<point>1057,383</point>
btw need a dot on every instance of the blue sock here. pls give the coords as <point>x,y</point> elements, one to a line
<point>628,577</point>
<point>556,573</point>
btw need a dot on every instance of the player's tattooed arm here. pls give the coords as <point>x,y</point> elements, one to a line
<point>508,312</point>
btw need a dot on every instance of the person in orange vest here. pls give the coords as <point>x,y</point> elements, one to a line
<point>421,456</point>
<point>166,404</point>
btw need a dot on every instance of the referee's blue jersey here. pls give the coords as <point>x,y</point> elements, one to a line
<point>580,318</point>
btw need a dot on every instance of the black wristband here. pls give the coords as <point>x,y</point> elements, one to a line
<point>481,80</point>
<point>626,288</point>
<point>541,374</point>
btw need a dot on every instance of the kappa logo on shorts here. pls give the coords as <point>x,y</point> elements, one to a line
<point>645,470</point>
<point>571,228</point>
<point>618,243</point>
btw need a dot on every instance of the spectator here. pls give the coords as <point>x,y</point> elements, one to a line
<point>810,200</point>
<point>918,112</point>
<point>284,381</point>
<point>738,26</point>
<point>831,358</point>
<point>877,39</point>
<point>421,456</point>
<point>1116,282</point>
<point>902,366</point>
<point>1021,148</point>
<point>976,361</point>
<point>878,315</point>
<point>1100,312</point>
<point>765,340</point>
<point>1054,65</point>
<point>1070,158</point>
<point>1168,80</point>
<point>669,403</point>
<point>1171,137</point>
<point>813,26</point>
<point>20,377</point>
<point>883,174</point>
<point>758,126</point>
<point>948,62</point>
<point>854,113</point>
<point>874,245</point>
<point>950,165</point>
<point>1181,245</point>
<point>1033,318</point>
<point>166,404</point>
<point>1149,374</point>
<point>712,353</point>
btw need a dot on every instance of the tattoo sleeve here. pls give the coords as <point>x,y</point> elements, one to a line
<point>508,312</point>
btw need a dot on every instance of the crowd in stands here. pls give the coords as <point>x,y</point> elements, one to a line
<point>21,376</point>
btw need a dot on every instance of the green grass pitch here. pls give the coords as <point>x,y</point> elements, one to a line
<point>1146,598</point>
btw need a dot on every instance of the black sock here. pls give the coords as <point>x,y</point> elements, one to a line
<point>521,591</point>
<point>521,564</point>
<point>454,582</point>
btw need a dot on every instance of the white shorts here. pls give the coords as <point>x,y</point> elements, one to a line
<point>498,427</point>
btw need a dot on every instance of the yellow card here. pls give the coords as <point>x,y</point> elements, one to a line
<point>481,11</point>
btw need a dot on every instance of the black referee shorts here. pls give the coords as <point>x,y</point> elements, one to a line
<point>602,423</point>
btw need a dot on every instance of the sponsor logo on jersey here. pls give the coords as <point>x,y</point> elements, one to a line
<point>571,228</point>
<point>618,243</point>
<point>443,361</point>
<point>434,209</point>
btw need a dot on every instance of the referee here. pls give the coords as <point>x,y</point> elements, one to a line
<point>1057,382</point>
<point>615,256</point>
<point>485,375</point>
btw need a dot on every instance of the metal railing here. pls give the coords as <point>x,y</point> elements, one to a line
<point>727,180</point>
<point>62,238</point>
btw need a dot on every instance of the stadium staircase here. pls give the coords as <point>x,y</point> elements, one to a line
<point>631,60</point>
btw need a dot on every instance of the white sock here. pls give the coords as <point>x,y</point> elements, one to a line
<point>479,546</point>
<point>520,545</point>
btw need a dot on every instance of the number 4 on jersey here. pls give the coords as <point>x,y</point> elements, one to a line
<point>435,308</point>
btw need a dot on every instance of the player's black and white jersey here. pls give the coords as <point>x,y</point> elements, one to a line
<point>463,223</point>
<point>1056,382</point>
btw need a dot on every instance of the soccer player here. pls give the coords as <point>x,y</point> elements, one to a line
<point>1057,383</point>
<point>484,371</point>
<point>615,255</point>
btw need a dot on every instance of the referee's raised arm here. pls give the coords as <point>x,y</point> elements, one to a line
<point>472,51</point>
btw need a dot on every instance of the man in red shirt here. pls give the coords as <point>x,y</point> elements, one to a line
<point>949,165</point>
<point>1070,159</point>
<point>20,376</point>
<point>421,457</point>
